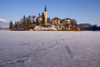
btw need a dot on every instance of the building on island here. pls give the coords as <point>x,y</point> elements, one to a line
<point>45,15</point>
<point>39,18</point>
<point>43,23</point>
<point>66,21</point>
<point>56,21</point>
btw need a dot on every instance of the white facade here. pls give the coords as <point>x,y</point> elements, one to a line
<point>39,20</point>
<point>45,16</point>
<point>56,22</point>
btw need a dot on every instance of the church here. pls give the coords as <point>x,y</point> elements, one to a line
<point>39,19</point>
<point>56,23</point>
<point>55,20</point>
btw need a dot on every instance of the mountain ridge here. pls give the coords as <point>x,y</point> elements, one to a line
<point>4,24</point>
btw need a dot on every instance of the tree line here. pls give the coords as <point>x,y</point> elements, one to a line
<point>26,23</point>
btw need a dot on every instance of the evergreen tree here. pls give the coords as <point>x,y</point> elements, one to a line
<point>43,19</point>
<point>29,18</point>
<point>16,26</point>
<point>11,25</point>
<point>94,27</point>
<point>28,23</point>
<point>24,22</point>
<point>28,26</point>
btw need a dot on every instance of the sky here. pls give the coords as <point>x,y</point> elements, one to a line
<point>84,11</point>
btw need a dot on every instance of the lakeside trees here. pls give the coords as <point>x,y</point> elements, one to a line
<point>24,24</point>
<point>89,27</point>
<point>11,25</point>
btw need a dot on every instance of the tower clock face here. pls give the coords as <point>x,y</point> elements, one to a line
<point>45,14</point>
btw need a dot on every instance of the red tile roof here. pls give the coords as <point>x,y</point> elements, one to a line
<point>39,16</point>
<point>55,18</point>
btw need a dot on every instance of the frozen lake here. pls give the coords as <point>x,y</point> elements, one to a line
<point>49,49</point>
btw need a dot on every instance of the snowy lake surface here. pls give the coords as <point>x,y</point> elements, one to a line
<point>49,49</point>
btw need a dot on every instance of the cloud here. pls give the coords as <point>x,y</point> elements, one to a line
<point>3,20</point>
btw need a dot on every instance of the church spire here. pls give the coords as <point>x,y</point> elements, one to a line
<point>45,8</point>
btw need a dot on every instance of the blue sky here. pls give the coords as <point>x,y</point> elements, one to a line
<point>84,11</point>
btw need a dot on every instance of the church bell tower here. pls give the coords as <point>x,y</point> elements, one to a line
<point>45,15</point>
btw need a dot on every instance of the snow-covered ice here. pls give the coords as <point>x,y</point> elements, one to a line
<point>49,49</point>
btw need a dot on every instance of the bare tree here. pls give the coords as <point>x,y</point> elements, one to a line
<point>33,17</point>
